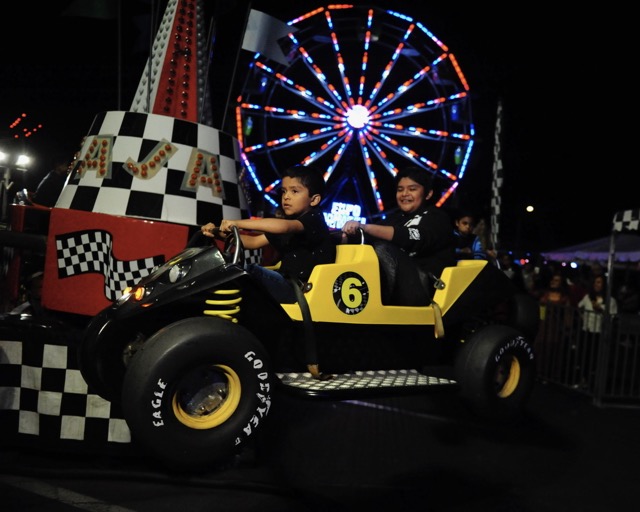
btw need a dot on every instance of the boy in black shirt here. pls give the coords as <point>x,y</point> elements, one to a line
<point>411,243</point>
<point>301,237</point>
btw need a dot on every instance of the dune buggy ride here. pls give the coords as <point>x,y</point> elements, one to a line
<point>195,351</point>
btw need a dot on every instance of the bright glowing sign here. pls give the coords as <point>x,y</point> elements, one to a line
<point>341,213</point>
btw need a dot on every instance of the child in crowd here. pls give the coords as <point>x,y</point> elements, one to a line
<point>469,243</point>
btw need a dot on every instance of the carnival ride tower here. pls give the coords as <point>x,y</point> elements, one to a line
<point>143,178</point>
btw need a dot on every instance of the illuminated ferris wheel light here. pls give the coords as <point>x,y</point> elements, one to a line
<point>357,116</point>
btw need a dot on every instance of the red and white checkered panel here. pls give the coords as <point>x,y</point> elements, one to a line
<point>92,257</point>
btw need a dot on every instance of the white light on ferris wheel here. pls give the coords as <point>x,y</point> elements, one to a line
<point>357,116</point>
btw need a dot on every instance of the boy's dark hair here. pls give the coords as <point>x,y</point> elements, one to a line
<point>310,176</point>
<point>459,214</point>
<point>417,174</point>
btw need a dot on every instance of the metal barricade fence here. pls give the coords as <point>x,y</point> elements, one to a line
<point>575,350</point>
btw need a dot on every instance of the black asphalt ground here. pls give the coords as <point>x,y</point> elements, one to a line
<point>404,453</point>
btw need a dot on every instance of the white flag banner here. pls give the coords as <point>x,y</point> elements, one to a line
<point>496,184</point>
<point>262,35</point>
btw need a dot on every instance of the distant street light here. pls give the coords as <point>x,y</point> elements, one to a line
<point>525,241</point>
<point>18,161</point>
<point>8,162</point>
<point>22,161</point>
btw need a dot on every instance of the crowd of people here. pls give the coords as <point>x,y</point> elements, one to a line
<point>583,286</point>
<point>573,305</point>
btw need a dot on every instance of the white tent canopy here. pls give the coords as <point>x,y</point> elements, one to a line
<point>622,246</point>
<point>627,249</point>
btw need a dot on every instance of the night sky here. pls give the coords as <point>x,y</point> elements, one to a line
<point>552,71</point>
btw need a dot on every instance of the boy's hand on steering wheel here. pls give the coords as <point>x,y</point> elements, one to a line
<point>226,227</point>
<point>212,231</point>
<point>351,227</point>
<point>209,230</point>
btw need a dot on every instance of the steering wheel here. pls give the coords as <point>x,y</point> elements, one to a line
<point>357,238</point>
<point>233,250</point>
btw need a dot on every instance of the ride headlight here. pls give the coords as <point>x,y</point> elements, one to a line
<point>178,272</point>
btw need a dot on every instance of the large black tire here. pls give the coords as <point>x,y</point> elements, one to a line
<point>495,369</point>
<point>102,355</point>
<point>196,392</point>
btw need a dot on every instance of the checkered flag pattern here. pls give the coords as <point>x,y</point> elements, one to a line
<point>90,251</point>
<point>253,256</point>
<point>158,191</point>
<point>496,184</point>
<point>628,220</point>
<point>42,393</point>
<point>372,379</point>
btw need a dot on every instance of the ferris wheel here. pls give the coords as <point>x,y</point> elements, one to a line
<point>366,92</point>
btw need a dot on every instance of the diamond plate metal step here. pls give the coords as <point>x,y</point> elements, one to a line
<point>370,380</point>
